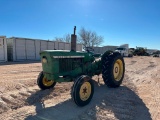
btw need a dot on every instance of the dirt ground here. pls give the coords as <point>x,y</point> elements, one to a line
<point>138,98</point>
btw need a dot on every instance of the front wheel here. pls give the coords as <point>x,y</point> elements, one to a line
<point>82,90</point>
<point>43,83</point>
<point>113,68</point>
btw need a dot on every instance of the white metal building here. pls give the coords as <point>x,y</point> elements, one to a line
<point>104,49</point>
<point>3,49</point>
<point>20,49</point>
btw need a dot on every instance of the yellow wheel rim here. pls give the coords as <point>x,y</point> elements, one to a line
<point>47,82</point>
<point>118,70</point>
<point>85,91</point>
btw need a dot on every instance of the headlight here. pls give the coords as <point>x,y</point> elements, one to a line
<point>44,60</point>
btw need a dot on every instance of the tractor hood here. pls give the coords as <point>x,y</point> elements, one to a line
<point>55,54</point>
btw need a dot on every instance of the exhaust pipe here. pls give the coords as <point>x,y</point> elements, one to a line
<point>73,40</point>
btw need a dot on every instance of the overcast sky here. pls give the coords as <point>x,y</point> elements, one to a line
<point>136,22</point>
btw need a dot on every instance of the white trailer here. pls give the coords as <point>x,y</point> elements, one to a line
<point>124,50</point>
<point>3,49</point>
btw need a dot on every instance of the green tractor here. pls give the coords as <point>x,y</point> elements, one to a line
<point>79,67</point>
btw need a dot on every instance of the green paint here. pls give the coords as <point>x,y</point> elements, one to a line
<point>64,66</point>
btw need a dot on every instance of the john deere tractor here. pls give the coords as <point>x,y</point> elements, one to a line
<point>79,67</point>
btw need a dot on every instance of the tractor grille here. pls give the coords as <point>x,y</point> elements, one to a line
<point>68,64</point>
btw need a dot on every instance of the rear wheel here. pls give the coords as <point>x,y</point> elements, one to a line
<point>113,68</point>
<point>82,90</point>
<point>43,83</point>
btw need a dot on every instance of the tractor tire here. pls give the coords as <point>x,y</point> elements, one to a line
<point>82,90</point>
<point>43,83</point>
<point>113,68</point>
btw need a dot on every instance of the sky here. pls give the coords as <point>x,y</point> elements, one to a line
<point>135,22</point>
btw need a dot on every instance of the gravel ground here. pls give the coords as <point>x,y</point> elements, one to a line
<point>136,99</point>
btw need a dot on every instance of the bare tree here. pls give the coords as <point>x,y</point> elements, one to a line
<point>89,38</point>
<point>67,38</point>
<point>59,39</point>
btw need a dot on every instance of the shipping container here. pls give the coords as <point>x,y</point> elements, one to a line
<point>61,45</point>
<point>20,49</point>
<point>67,46</point>
<point>79,47</point>
<point>3,49</point>
<point>51,45</point>
<point>56,45</point>
<point>38,49</point>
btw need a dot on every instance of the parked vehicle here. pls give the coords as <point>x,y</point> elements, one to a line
<point>124,50</point>
<point>67,66</point>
